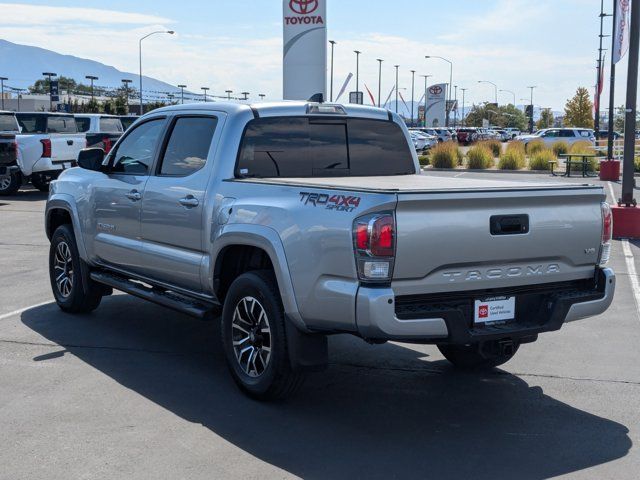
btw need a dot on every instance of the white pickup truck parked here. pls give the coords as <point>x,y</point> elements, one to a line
<point>48,144</point>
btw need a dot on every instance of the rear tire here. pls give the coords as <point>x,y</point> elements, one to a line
<point>254,338</point>
<point>40,182</point>
<point>65,274</point>
<point>485,355</point>
<point>10,183</point>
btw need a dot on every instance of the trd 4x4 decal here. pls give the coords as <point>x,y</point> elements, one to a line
<point>340,203</point>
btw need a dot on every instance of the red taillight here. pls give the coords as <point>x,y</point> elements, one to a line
<point>362,236</point>
<point>107,144</point>
<point>607,233</point>
<point>46,147</point>
<point>382,237</point>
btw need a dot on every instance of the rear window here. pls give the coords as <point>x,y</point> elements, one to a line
<point>61,124</point>
<point>32,123</point>
<point>110,125</point>
<point>322,147</point>
<point>83,123</point>
<point>8,123</point>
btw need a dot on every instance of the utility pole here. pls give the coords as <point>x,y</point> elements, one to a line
<point>463,90</point>
<point>204,89</point>
<point>531,105</point>
<point>182,87</point>
<point>246,95</point>
<point>357,52</point>
<point>599,68</point>
<point>397,87</point>
<point>455,103</point>
<point>228,92</point>
<point>126,83</point>
<point>333,43</point>
<point>2,79</point>
<point>413,81</point>
<point>49,75</point>
<point>612,86</point>
<point>91,78</point>
<point>379,79</point>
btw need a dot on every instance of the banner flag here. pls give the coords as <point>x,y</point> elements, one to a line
<point>621,25</point>
<point>373,100</point>
<point>344,86</point>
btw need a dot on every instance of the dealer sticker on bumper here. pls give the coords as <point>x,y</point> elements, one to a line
<point>495,309</point>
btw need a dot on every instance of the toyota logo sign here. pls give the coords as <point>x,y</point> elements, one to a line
<point>303,7</point>
<point>435,90</point>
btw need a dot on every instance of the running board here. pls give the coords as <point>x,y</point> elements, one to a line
<point>172,300</point>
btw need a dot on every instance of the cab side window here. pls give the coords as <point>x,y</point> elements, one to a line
<point>188,146</point>
<point>134,155</point>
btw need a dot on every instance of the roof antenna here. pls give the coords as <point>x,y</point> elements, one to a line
<point>318,98</point>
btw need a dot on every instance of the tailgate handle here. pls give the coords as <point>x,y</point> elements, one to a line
<point>509,224</point>
<point>69,142</point>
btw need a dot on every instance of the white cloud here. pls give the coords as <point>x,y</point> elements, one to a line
<point>22,14</point>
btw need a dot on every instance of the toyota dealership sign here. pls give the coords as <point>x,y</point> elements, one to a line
<point>305,48</point>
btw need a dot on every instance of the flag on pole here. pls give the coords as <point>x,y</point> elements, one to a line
<point>621,25</point>
<point>389,97</point>
<point>600,85</point>
<point>405,103</point>
<point>344,86</point>
<point>373,100</point>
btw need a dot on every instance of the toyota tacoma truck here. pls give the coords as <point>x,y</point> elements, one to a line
<point>300,220</point>
<point>100,130</point>
<point>48,144</point>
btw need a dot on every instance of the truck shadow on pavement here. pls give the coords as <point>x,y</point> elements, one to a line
<point>377,412</point>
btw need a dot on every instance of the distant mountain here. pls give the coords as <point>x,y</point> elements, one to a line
<point>23,65</point>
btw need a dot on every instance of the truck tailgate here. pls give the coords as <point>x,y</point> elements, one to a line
<point>445,240</point>
<point>66,146</point>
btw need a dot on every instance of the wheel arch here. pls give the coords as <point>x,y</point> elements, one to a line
<point>61,210</point>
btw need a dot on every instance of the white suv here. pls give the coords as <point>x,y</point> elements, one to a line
<point>552,135</point>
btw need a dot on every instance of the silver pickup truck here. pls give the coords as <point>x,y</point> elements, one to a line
<point>300,220</point>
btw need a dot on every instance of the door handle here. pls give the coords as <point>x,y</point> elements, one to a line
<point>69,142</point>
<point>134,195</point>
<point>189,201</point>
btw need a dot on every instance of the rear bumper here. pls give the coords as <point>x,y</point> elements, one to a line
<point>46,165</point>
<point>448,318</point>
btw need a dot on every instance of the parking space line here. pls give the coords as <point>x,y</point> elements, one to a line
<point>633,274</point>
<point>20,310</point>
<point>613,194</point>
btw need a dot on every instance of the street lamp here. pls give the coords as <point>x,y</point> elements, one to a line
<point>425,98</point>
<point>2,79</point>
<point>413,81</point>
<point>495,88</point>
<point>357,52</point>
<point>92,78</point>
<point>455,101</point>
<point>182,87</point>
<point>170,32</point>
<point>204,89</point>
<point>49,75</point>
<point>531,119</point>
<point>463,117</point>
<point>450,81</point>
<point>333,43</point>
<point>261,95</point>
<point>228,92</point>
<point>246,95</point>
<point>396,66</point>
<point>379,79</point>
<point>514,95</point>
<point>126,83</point>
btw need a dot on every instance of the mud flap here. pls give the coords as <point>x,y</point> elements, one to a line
<point>308,352</point>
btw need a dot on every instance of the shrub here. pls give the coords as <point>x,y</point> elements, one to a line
<point>459,156</point>
<point>493,145</point>
<point>540,160</point>
<point>516,145</point>
<point>582,146</point>
<point>480,157</point>
<point>424,160</point>
<point>637,164</point>
<point>445,155</point>
<point>535,146</point>
<point>512,160</point>
<point>560,147</point>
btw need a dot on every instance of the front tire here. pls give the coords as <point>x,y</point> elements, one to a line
<point>485,355</point>
<point>65,274</point>
<point>10,183</point>
<point>254,338</point>
<point>41,182</point>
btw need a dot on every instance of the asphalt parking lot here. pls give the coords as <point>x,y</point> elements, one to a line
<point>137,391</point>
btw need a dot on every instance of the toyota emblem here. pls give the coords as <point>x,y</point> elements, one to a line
<point>303,7</point>
<point>435,90</point>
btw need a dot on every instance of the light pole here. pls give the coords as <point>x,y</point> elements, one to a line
<point>379,79</point>
<point>455,101</point>
<point>396,66</point>
<point>182,87</point>
<point>450,82</point>
<point>170,32</point>
<point>204,89</point>
<point>246,95</point>
<point>531,119</point>
<point>333,43</point>
<point>228,92</point>
<point>91,78</point>
<point>514,95</point>
<point>425,98</point>
<point>261,95</point>
<point>2,79</point>
<point>495,88</point>
<point>49,75</point>
<point>126,83</point>
<point>413,81</point>
<point>357,52</point>
<point>463,91</point>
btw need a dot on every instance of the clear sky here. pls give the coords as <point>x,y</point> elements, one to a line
<point>237,44</point>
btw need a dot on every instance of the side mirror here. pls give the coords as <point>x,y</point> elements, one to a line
<point>91,159</point>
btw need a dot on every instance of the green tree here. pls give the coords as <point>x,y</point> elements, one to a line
<point>64,83</point>
<point>546,119</point>
<point>578,111</point>
<point>504,116</point>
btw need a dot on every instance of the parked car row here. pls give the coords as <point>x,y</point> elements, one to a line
<point>37,146</point>
<point>551,135</point>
